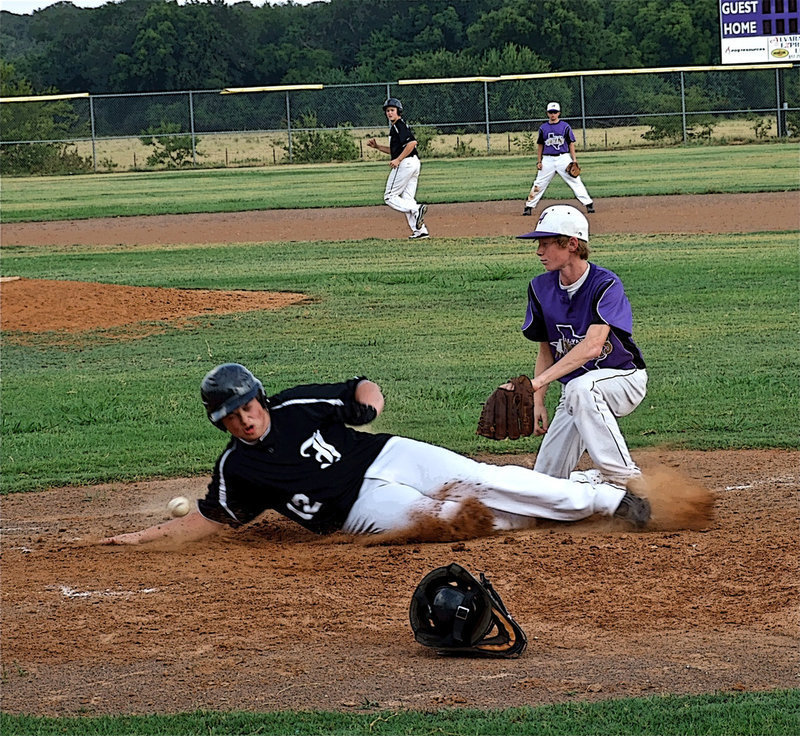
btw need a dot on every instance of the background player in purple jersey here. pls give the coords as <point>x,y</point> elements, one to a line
<point>296,453</point>
<point>580,316</point>
<point>556,149</point>
<point>401,186</point>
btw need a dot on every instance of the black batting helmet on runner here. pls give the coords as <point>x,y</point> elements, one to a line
<point>393,102</point>
<point>227,387</point>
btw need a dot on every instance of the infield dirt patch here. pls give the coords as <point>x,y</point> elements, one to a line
<point>271,617</point>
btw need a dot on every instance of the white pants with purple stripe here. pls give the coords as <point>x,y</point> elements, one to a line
<point>409,478</point>
<point>552,165</point>
<point>586,419</point>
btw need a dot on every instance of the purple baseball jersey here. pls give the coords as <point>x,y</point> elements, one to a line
<point>555,318</point>
<point>556,138</point>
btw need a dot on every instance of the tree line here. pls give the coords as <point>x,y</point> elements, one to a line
<point>158,45</point>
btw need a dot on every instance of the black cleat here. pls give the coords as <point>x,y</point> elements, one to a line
<point>418,236</point>
<point>527,212</point>
<point>634,509</point>
<point>423,208</point>
<point>590,208</point>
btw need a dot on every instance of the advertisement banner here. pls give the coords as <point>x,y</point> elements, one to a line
<point>759,31</point>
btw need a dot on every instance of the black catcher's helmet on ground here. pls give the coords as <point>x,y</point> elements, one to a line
<point>394,102</point>
<point>454,613</point>
<point>226,388</point>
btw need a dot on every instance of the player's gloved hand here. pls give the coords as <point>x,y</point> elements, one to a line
<point>357,413</point>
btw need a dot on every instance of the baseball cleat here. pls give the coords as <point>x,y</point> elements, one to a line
<point>590,208</point>
<point>634,509</point>
<point>419,236</point>
<point>527,212</point>
<point>423,208</point>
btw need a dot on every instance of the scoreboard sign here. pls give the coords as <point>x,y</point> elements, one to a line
<point>759,31</point>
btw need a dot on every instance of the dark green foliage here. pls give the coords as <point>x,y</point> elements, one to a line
<point>313,145</point>
<point>37,121</point>
<point>668,129</point>
<point>43,158</point>
<point>425,135</point>
<point>153,45</point>
<point>170,148</point>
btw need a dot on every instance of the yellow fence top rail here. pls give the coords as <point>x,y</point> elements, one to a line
<point>44,98</point>
<point>597,72</point>
<point>275,88</point>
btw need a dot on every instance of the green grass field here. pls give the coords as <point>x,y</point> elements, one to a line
<point>724,714</point>
<point>712,169</point>
<point>437,325</point>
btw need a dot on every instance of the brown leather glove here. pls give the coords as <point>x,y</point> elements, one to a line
<point>508,413</point>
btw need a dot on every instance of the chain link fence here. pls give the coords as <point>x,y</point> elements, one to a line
<point>463,117</point>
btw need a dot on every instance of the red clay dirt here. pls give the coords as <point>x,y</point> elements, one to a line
<point>272,617</point>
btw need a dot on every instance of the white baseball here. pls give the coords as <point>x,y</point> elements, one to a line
<point>179,506</point>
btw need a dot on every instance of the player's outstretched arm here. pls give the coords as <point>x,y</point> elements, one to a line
<point>190,528</point>
<point>372,143</point>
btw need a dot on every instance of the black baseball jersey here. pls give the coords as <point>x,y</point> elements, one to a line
<point>400,136</point>
<point>308,467</point>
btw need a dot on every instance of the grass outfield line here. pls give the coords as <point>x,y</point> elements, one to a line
<point>775,713</point>
<point>690,170</point>
<point>436,324</point>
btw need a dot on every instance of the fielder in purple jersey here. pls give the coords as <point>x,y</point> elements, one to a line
<point>580,316</point>
<point>556,150</point>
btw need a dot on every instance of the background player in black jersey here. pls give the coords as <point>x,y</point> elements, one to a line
<point>401,186</point>
<point>296,453</point>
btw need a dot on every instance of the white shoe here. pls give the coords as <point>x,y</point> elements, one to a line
<point>419,236</point>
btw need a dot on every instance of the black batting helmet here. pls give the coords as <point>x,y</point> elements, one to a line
<point>227,387</point>
<point>393,102</point>
<point>454,613</point>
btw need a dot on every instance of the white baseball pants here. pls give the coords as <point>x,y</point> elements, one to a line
<point>401,188</point>
<point>552,165</point>
<point>586,419</point>
<point>409,478</point>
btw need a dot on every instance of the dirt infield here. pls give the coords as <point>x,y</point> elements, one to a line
<point>275,618</point>
<point>712,213</point>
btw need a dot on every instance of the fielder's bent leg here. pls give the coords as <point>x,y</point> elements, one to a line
<point>593,402</point>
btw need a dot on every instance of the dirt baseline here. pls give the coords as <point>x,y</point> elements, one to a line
<point>275,618</point>
<point>711,213</point>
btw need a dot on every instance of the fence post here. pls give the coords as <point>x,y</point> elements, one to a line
<point>683,108</point>
<point>778,100</point>
<point>94,141</point>
<point>583,112</point>
<point>191,127</point>
<point>486,114</point>
<point>289,126</point>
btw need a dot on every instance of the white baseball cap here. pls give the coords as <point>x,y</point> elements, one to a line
<point>561,219</point>
<point>553,107</point>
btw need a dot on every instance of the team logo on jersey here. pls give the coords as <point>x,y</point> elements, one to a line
<point>556,141</point>
<point>324,453</point>
<point>569,340</point>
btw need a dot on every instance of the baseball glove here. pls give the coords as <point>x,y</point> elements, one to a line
<point>508,412</point>
<point>573,169</point>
